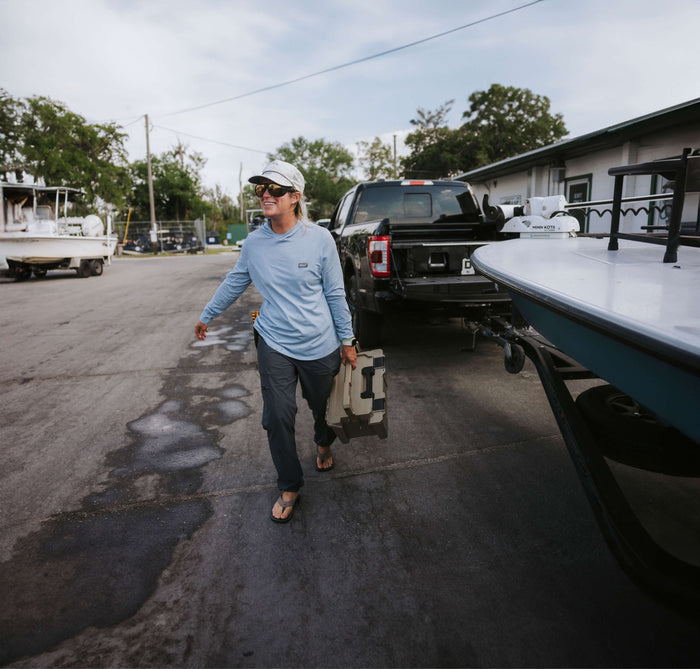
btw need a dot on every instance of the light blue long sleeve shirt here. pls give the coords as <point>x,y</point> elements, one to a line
<point>304,313</point>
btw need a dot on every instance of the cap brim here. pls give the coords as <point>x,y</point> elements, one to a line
<point>275,177</point>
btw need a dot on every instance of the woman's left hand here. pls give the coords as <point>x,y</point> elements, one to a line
<point>349,354</point>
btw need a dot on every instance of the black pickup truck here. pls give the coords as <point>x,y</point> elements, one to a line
<point>407,245</point>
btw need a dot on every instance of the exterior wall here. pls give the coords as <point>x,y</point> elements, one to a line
<point>589,174</point>
<point>236,232</point>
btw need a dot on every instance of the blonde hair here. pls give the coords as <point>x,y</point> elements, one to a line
<point>300,207</point>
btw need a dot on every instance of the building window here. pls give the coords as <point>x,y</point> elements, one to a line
<point>578,189</point>
<point>659,210</point>
<point>510,199</point>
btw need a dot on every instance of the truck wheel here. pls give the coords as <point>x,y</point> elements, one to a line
<point>367,325</point>
<point>85,269</point>
<point>628,433</point>
<point>96,267</point>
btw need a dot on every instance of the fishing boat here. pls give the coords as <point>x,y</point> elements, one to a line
<point>36,233</point>
<point>622,308</point>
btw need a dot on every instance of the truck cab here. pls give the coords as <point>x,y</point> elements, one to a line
<point>406,245</point>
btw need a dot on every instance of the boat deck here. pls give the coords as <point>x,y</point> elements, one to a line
<point>634,292</point>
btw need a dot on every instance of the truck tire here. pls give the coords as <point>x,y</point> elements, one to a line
<point>84,269</point>
<point>96,267</point>
<point>367,325</point>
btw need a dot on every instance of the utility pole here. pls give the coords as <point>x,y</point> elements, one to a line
<point>154,227</point>
<point>240,193</point>
<point>396,176</point>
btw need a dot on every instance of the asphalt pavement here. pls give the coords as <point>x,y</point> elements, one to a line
<point>137,486</point>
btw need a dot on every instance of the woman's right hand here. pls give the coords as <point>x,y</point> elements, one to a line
<point>200,330</point>
<point>349,354</point>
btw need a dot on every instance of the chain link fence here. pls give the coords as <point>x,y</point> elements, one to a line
<point>136,237</point>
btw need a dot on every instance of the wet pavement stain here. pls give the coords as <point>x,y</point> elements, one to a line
<point>168,442</point>
<point>98,566</point>
<point>84,572</point>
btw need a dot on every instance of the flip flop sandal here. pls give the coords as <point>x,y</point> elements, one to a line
<point>285,505</point>
<point>323,457</point>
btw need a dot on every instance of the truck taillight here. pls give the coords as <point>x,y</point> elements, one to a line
<point>378,254</point>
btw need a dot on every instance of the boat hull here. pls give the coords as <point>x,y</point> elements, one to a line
<point>666,389</point>
<point>40,250</point>
<point>629,318</point>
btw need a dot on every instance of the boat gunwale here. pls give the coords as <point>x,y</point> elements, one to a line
<point>674,355</point>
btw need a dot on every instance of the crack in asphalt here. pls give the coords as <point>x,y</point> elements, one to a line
<point>202,369</point>
<point>414,463</point>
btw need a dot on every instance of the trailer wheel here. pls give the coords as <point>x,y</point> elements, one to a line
<point>21,273</point>
<point>18,271</point>
<point>366,325</point>
<point>96,267</point>
<point>84,269</point>
<point>630,434</point>
<point>515,361</point>
<point>39,272</point>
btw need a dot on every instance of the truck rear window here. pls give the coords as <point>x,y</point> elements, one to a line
<point>415,204</point>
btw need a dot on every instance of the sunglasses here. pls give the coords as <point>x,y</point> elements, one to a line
<point>273,189</point>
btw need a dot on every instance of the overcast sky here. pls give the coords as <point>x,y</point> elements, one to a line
<point>600,62</point>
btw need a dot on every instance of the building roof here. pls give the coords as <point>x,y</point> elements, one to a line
<point>614,135</point>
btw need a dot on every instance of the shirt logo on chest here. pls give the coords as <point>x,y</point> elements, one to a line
<point>302,265</point>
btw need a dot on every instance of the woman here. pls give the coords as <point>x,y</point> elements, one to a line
<point>304,319</point>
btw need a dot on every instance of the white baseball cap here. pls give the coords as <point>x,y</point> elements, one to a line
<point>284,174</point>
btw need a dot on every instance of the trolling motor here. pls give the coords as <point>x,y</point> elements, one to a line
<point>538,218</point>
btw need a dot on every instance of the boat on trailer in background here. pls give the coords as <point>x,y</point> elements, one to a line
<point>37,235</point>
<point>622,309</point>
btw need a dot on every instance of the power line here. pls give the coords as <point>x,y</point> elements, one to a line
<point>354,62</point>
<point>136,120</point>
<point>205,139</point>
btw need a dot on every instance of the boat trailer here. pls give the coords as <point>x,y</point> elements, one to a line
<point>645,560</point>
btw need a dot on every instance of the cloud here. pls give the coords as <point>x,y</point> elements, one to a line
<point>599,62</point>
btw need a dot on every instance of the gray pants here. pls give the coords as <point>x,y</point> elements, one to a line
<point>278,380</point>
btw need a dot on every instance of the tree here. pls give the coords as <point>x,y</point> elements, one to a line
<point>190,162</point>
<point>223,211</point>
<point>435,148</point>
<point>326,167</point>
<point>430,125</point>
<point>225,207</point>
<point>61,148</point>
<point>250,200</point>
<point>176,189</point>
<point>11,139</point>
<point>376,159</point>
<point>500,123</point>
<point>441,157</point>
<point>506,121</point>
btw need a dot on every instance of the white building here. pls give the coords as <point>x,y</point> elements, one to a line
<point>578,169</point>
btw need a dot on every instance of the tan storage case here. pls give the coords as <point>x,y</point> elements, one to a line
<point>357,404</point>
